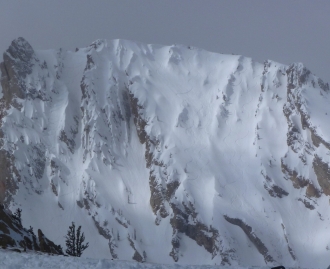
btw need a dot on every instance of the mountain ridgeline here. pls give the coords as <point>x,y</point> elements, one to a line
<point>168,153</point>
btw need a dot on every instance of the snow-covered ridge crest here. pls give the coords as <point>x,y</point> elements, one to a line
<point>168,153</point>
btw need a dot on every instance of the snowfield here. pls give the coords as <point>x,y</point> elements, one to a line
<point>167,154</point>
<point>13,260</point>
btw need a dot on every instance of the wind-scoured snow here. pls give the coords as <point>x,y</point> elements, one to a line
<point>142,144</point>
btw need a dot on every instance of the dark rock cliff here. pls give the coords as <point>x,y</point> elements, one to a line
<point>14,235</point>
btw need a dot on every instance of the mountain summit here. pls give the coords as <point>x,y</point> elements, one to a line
<point>168,153</point>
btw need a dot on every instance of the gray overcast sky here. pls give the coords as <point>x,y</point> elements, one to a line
<point>283,30</point>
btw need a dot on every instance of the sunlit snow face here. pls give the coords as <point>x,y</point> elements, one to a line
<point>170,154</point>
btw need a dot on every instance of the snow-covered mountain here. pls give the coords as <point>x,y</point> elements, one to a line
<point>168,153</point>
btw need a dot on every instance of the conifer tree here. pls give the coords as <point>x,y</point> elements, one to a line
<point>75,241</point>
<point>18,216</point>
<point>80,247</point>
<point>71,240</point>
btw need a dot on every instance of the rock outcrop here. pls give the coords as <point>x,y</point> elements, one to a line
<point>14,236</point>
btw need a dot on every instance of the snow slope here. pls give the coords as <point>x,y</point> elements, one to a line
<point>168,153</point>
<point>13,260</point>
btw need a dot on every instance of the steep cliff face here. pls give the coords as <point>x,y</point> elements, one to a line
<point>16,66</point>
<point>168,154</point>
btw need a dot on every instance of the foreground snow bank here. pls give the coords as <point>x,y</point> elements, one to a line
<point>13,260</point>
